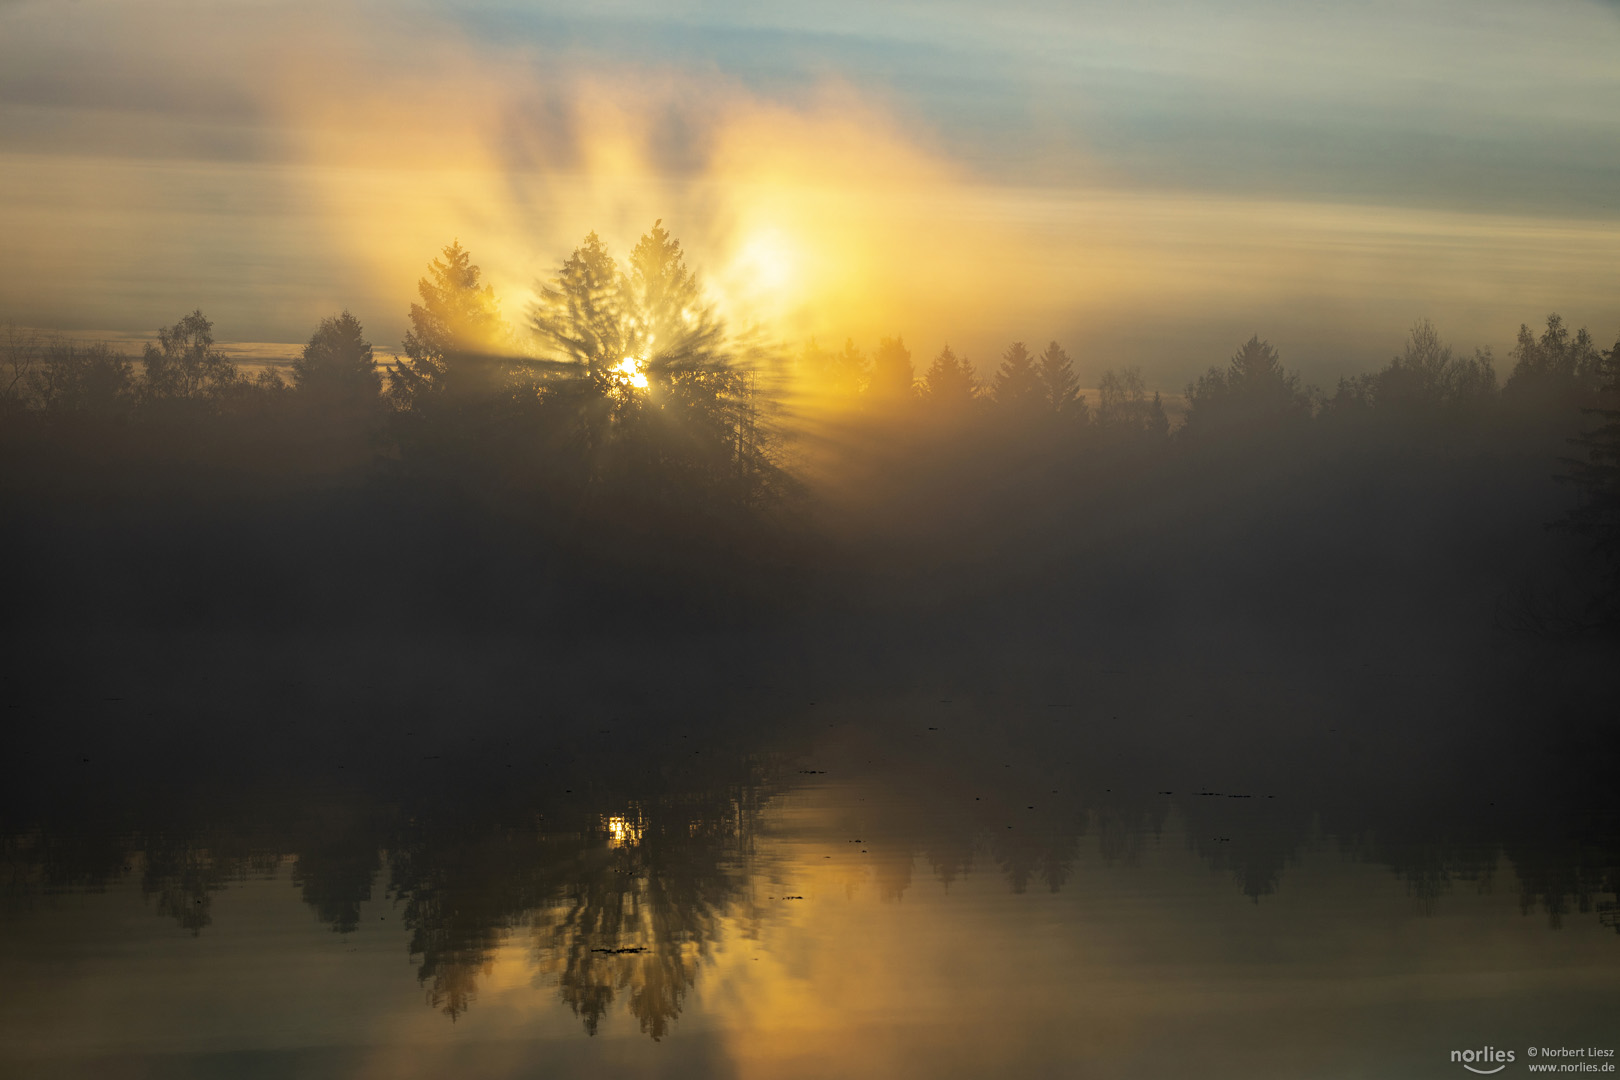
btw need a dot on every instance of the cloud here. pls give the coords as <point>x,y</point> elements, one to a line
<point>1149,184</point>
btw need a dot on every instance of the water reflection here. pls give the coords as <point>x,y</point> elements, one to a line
<point>625,905</point>
<point>621,901</point>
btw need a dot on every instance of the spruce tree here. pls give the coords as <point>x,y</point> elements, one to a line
<point>457,342</point>
<point>950,381</point>
<point>1059,386</point>
<point>1017,383</point>
<point>893,378</point>
<point>337,364</point>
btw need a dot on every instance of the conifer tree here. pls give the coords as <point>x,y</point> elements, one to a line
<point>950,381</point>
<point>1253,392</point>
<point>1059,386</point>
<point>337,364</point>
<point>457,345</point>
<point>893,377</point>
<point>1017,383</point>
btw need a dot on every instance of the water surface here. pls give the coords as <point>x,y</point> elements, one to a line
<point>1123,881</point>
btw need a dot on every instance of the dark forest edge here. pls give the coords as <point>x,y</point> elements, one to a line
<point>626,456</point>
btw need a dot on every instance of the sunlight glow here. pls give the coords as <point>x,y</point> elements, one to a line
<point>623,831</point>
<point>633,371</point>
<point>832,218</point>
<point>766,261</point>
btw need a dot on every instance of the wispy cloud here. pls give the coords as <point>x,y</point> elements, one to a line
<point>1146,179</point>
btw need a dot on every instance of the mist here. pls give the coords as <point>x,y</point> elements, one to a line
<point>873,541</point>
<point>269,167</point>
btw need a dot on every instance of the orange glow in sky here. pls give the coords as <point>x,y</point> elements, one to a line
<point>285,168</point>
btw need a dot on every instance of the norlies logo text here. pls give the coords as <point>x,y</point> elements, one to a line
<point>1487,1056</point>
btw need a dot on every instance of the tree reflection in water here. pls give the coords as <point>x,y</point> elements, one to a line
<point>628,905</point>
<point>619,896</point>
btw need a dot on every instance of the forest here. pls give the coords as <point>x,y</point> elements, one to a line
<point>421,629</point>
<point>624,459</point>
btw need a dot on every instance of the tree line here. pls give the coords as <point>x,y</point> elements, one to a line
<point>1253,390</point>
<point>624,386</point>
<point>627,370</point>
<point>624,376</point>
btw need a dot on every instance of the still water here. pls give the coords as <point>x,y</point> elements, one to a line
<point>916,886</point>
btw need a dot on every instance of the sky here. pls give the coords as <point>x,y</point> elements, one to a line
<point>1147,182</point>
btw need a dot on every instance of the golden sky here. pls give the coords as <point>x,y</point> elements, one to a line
<point>1146,183</point>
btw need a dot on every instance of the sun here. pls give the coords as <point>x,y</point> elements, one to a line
<point>633,371</point>
<point>766,263</point>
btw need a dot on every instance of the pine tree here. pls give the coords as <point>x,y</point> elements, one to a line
<point>672,325</point>
<point>582,322</point>
<point>1017,384</point>
<point>457,343</point>
<point>893,377</point>
<point>656,387</point>
<point>851,370</point>
<point>950,381</point>
<point>842,374</point>
<point>337,364</point>
<point>1254,392</point>
<point>1059,386</point>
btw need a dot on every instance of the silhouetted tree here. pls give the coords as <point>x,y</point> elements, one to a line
<point>266,385</point>
<point>1124,408</point>
<point>1017,385</point>
<point>1254,393</point>
<point>1597,483</point>
<point>707,400</point>
<point>848,370</point>
<point>457,343</point>
<point>90,381</point>
<point>893,377</point>
<point>1554,366</point>
<point>582,316</point>
<point>184,365</point>
<point>675,327</point>
<point>1059,387</point>
<point>852,369</point>
<point>646,370</point>
<point>842,374</point>
<point>337,364</point>
<point>1426,377</point>
<point>1158,423</point>
<point>950,381</point>
<point>20,355</point>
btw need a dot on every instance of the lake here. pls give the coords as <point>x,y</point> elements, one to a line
<point>1143,872</point>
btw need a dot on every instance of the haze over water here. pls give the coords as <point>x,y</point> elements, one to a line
<point>879,540</point>
<point>1248,868</point>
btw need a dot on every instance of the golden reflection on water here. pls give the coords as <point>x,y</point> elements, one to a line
<point>891,954</point>
<point>880,925</point>
<point>623,831</point>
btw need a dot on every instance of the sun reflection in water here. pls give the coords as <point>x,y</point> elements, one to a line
<point>623,831</point>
